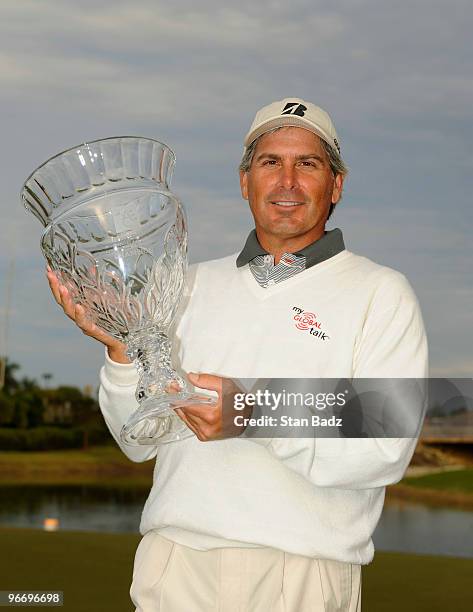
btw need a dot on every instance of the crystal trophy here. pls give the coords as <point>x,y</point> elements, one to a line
<point>116,237</point>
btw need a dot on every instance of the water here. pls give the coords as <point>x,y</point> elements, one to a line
<point>404,526</point>
<point>78,508</point>
<point>415,528</point>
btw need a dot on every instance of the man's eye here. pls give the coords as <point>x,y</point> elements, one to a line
<point>269,162</point>
<point>308,164</point>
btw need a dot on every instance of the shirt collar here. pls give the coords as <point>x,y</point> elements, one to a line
<point>251,250</point>
<point>329,245</point>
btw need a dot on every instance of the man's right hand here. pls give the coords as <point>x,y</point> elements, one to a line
<point>116,349</point>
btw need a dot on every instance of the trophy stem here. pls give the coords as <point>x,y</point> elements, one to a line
<point>151,351</point>
<point>155,422</point>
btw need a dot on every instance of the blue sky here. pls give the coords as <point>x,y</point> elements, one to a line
<point>396,78</point>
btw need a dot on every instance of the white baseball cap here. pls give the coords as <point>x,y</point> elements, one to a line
<point>297,113</point>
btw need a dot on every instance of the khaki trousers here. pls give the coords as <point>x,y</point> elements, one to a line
<point>169,577</point>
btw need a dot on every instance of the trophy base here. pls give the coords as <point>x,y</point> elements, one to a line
<point>155,422</point>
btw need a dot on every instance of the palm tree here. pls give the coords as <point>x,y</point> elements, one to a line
<point>8,382</point>
<point>47,376</point>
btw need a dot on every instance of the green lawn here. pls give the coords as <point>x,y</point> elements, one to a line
<point>452,480</point>
<point>94,571</point>
<point>397,582</point>
<point>93,466</point>
<point>452,489</point>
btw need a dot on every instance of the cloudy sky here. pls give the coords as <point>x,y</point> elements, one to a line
<point>395,76</point>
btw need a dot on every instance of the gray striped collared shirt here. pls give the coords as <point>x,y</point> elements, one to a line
<point>266,273</point>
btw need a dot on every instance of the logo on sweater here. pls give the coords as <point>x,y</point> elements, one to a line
<point>307,321</point>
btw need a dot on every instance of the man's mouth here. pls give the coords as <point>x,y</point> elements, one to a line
<point>286,203</point>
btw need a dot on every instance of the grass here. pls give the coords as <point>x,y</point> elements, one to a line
<point>92,466</point>
<point>417,583</point>
<point>94,571</point>
<point>460,481</point>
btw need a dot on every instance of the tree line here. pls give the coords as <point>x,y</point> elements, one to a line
<point>34,416</point>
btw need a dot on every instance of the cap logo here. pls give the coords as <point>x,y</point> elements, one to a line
<point>293,108</point>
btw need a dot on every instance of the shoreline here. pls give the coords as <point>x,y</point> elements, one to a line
<point>410,492</point>
<point>108,466</point>
<point>430,497</point>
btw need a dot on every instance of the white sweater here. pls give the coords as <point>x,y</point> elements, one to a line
<point>315,497</point>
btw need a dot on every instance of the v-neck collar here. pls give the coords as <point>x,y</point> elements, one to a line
<point>330,244</point>
<point>263,293</point>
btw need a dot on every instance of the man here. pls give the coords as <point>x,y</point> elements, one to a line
<point>271,524</point>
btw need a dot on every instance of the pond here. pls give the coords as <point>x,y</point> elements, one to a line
<point>404,526</point>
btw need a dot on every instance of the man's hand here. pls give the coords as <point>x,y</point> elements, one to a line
<point>213,421</point>
<point>116,349</point>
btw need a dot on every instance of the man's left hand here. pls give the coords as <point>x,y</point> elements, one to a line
<point>213,421</point>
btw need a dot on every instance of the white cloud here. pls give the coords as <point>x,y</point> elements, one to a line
<point>395,77</point>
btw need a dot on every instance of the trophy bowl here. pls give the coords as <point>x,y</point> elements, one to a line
<point>116,237</point>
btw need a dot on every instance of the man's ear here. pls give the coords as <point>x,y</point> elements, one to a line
<point>337,188</point>
<point>244,184</point>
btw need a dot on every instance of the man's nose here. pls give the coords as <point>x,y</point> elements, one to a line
<point>288,176</point>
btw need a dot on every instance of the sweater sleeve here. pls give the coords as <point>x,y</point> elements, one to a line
<point>117,402</point>
<point>391,344</point>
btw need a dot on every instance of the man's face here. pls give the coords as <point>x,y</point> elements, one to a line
<point>290,188</point>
